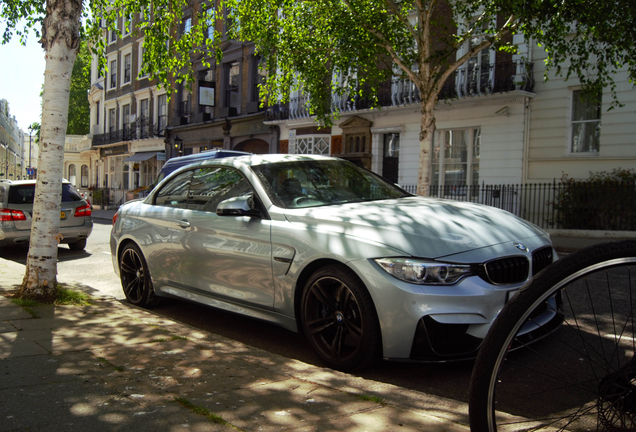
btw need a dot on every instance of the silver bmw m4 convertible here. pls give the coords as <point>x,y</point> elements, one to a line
<point>320,246</point>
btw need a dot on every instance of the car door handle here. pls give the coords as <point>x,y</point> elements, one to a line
<point>183,223</point>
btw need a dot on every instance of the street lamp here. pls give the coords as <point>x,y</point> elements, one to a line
<point>178,145</point>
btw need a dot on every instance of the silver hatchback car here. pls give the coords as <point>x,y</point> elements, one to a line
<point>16,214</point>
<point>318,245</point>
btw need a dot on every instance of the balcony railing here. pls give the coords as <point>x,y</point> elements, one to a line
<point>77,146</point>
<point>139,129</point>
<point>182,115</point>
<point>468,81</point>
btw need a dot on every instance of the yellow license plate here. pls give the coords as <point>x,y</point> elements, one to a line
<point>63,215</point>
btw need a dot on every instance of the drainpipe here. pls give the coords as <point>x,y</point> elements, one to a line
<point>526,139</point>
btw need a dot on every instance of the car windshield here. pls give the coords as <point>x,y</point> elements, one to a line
<point>324,182</point>
<point>24,194</point>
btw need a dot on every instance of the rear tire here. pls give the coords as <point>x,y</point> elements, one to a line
<point>135,278</point>
<point>78,245</point>
<point>339,319</point>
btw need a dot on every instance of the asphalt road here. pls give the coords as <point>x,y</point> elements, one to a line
<point>93,267</point>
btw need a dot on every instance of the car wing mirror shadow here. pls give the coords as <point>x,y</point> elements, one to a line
<point>243,205</point>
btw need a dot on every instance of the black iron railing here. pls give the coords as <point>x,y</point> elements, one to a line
<point>580,205</point>
<point>139,129</point>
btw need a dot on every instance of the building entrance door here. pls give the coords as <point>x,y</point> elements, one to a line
<point>391,158</point>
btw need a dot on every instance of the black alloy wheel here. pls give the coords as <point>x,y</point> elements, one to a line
<point>135,278</point>
<point>339,319</point>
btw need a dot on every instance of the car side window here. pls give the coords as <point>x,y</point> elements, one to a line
<point>175,192</point>
<point>69,193</point>
<point>211,185</point>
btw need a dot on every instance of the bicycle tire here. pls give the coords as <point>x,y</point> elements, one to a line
<point>580,375</point>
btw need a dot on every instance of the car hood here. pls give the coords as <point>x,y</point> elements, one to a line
<point>423,227</point>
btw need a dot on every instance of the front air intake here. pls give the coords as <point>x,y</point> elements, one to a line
<point>541,258</point>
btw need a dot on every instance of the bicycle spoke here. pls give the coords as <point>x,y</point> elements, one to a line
<point>574,374</point>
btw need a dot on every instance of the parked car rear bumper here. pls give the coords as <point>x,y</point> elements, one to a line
<point>10,236</point>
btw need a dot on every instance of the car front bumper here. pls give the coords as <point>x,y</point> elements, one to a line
<point>433,322</point>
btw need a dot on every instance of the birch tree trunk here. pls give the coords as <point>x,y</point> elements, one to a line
<point>61,41</point>
<point>427,129</point>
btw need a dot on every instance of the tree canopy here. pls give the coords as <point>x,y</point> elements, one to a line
<point>347,48</point>
<point>367,41</point>
<point>586,39</point>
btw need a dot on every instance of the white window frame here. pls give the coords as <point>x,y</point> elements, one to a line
<point>144,94</point>
<point>187,25</point>
<point>122,102</point>
<point>123,53</point>
<point>126,30</point>
<point>113,32</point>
<point>144,15</point>
<point>112,58</point>
<point>572,123</point>
<point>461,78</point>
<point>123,69</point>
<point>441,179</point>
<point>107,120</point>
<point>140,59</point>
<point>211,21</point>
<point>155,114</point>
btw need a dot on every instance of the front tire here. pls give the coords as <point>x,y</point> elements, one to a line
<point>135,278</point>
<point>339,319</point>
<point>78,245</point>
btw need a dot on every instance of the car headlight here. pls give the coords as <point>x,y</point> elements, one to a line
<point>423,272</point>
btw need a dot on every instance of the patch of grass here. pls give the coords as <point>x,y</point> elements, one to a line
<point>155,326</point>
<point>25,302</point>
<point>170,339</point>
<point>374,399</point>
<point>63,296</point>
<point>66,296</point>
<point>31,311</point>
<point>107,363</point>
<point>204,412</point>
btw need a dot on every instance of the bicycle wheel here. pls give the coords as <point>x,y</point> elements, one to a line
<point>560,355</point>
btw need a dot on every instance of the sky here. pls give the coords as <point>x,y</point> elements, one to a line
<point>21,79</point>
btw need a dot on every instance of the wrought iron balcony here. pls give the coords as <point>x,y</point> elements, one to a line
<point>139,129</point>
<point>182,115</point>
<point>468,81</point>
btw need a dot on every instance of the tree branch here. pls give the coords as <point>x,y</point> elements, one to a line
<point>385,43</point>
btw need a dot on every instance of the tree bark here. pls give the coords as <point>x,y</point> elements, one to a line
<point>427,129</point>
<point>60,40</point>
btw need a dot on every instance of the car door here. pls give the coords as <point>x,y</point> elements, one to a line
<point>158,229</point>
<point>227,257</point>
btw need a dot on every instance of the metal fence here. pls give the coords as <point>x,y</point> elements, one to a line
<point>108,198</point>
<point>608,206</point>
<point>570,204</point>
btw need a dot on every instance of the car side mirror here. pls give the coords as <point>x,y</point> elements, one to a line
<point>243,205</point>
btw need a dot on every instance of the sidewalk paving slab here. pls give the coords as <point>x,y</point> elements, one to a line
<point>112,366</point>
